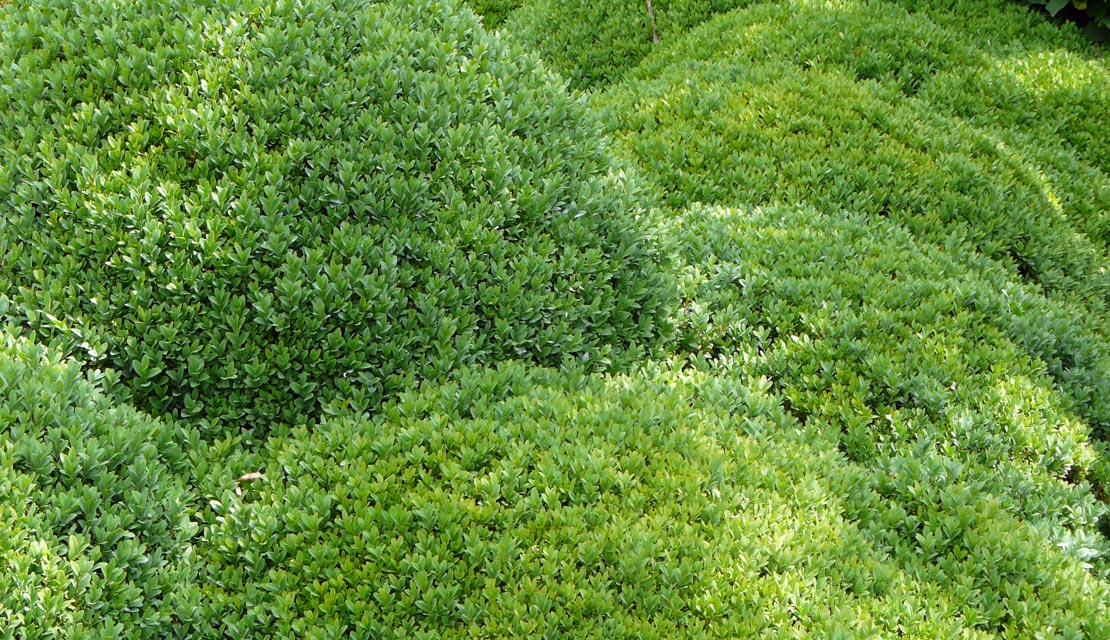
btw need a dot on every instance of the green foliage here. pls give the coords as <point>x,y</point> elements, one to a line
<point>983,20</point>
<point>895,116</point>
<point>494,12</point>
<point>593,42</point>
<point>254,211</point>
<point>891,344</point>
<point>1025,80</point>
<point>95,536</point>
<point>665,504</point>
<point>879,111</point>
<point>315,219</point>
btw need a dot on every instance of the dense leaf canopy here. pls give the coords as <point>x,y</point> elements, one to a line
<point>356,319</point>
<point>254,211</point>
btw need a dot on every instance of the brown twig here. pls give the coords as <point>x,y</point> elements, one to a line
<point>654,33</point>
<point>245,478</point>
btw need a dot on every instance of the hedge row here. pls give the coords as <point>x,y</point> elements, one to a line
<point>95,525</point>
<point>257,212</point>
<point>882,112</point>
<point>258,215</point>
<point>897,118</point>
<point>675,502</point>
<point>594,42</point>
<point>665,504</point>
<point>892,345</point>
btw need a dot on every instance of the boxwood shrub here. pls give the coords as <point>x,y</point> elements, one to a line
<point>899,116</point>
<point>95,529</point>
<point>984,21</point>
<point>893,114</point>
<point>593,42</point>
<point>670,503</point>
<point>1027,76</point>
<point>895,348</point>
<point>252,210</point>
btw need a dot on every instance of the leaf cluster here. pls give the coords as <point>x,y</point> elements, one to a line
<point>494,12</point>
<point>668,503</point>
<point>255,212</point>
<point>95,529</point>
<point>1093,15</point>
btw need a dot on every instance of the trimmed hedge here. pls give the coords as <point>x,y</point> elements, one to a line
<point>892,344</point>
<point>593,42</point>
<point>290,217</point>
<point>95,534</point>
<point>846,115</point>
<point>936,136</point>
<point>494,12</point>
<point>666,504</point>
<point>256,212</point>
<point>1023,75</point>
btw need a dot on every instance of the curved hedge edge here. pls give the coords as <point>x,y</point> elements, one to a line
<point>96,536</point>
<point>305,207</point>
<point>670,502</point>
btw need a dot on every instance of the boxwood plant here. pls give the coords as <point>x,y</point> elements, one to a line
<point>394,245</point>
<point>899,117</point>
<point>672,503</point>
<point>95,527</point>
<point>252,210</point>
<point>887,113</point>
<point>894,346</point>
<point>594,42</point>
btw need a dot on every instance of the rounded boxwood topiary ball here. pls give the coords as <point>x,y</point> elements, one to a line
<point>258,210</point>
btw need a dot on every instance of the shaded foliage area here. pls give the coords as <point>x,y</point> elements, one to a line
<point>494,12</point>
<point>594,42</point>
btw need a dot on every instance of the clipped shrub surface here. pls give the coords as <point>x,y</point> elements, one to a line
<point>95,536</point>
<point>874,110</point>
<point>868,109</point>
<point>594,42</point>
<point>253,214</point>
<point>671,503</point>
<point>253,210</point>
<point>494,12</point>
<point>893,345</point>
<point>1020,75</point>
